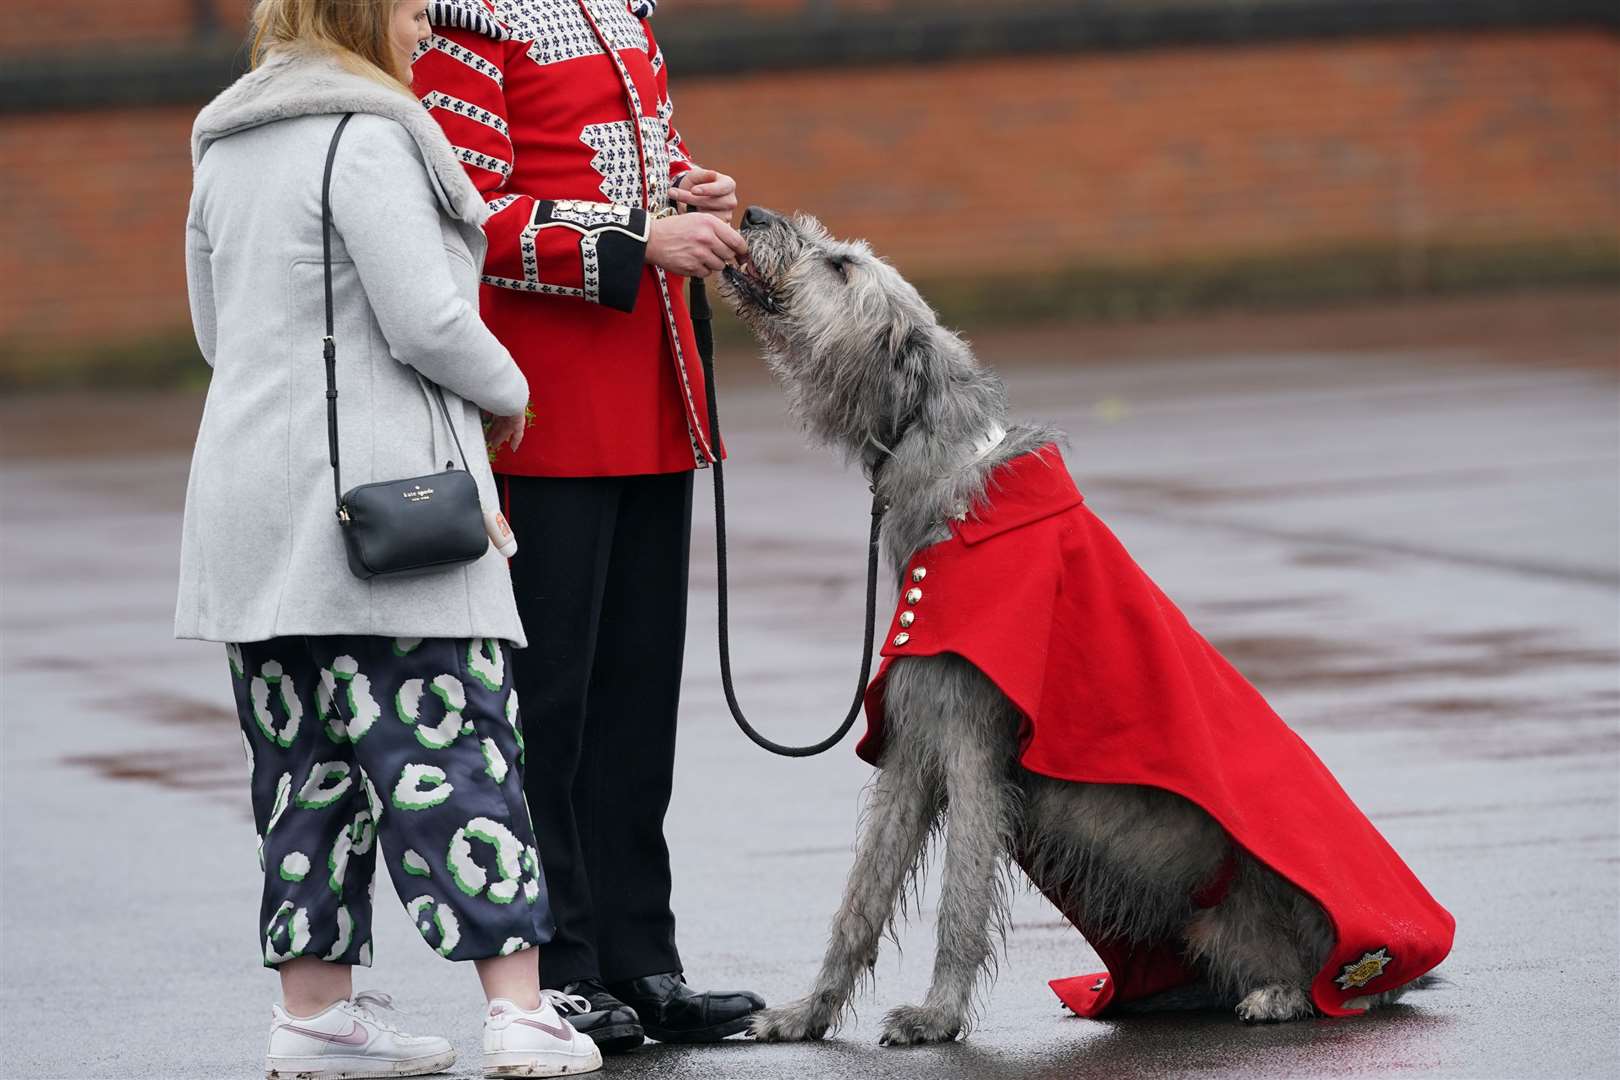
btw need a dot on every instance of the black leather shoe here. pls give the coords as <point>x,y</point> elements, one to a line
<point>674,1013</point>
<point>612,1025</point>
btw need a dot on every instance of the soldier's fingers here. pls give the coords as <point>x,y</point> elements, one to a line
<point>722,185</point>
<point>730,237</point>
<point>718,248</point>
<point>723,249</point>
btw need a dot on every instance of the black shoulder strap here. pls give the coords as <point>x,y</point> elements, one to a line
<point>329,342</point>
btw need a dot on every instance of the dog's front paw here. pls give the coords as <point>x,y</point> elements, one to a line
<point>1274,1004</point>
<point>913,1025</point>
<point>799,1021</point>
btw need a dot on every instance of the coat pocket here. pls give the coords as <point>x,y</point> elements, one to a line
<point>461,256</point>
<point>463,271</point>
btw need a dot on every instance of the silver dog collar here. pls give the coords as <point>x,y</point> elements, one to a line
<point>984,444</point>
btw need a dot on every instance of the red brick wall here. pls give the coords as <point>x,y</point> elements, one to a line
<point>92,245</point>
<point>981,167</point>
<point>35,24</point>
<point>1186,153</point>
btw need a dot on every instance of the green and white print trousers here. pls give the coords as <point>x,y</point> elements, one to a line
<point>409,745</point>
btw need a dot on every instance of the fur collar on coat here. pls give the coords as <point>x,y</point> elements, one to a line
<point>296,82</point>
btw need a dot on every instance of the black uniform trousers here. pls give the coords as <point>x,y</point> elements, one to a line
<point>601,578</point>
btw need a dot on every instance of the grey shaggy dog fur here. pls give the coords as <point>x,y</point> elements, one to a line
<point>867,368</point>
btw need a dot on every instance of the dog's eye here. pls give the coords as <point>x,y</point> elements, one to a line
<point>840,264</point>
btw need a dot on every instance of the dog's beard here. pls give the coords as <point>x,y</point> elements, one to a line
<point>754,290</point>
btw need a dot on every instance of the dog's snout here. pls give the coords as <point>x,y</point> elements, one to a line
<point>756,216</point>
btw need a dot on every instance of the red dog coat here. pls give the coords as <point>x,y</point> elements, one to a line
<point>1116,688</point>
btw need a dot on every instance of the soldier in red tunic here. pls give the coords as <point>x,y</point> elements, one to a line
<point>560,111</point>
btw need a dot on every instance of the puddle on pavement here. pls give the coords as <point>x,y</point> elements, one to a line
<point>177,709</point>
<point>1499,724</point>
<point>1299,661</point>
<point>1573,724</point>
<point>1185,492</point>
<point>1515,809</point>
<point>198,770</point>
<point>212,765</point>
<point>76,664</point>
<point>1338,557</point>
<point>1259,605</point>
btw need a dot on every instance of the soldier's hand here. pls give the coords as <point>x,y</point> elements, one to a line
<point>706,190</point>
<point>694,245</point>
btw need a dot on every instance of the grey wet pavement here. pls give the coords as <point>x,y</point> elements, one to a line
<point>1412,550</point>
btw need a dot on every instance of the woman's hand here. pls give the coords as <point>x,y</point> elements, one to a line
<point>501,429</point>
<point>706,190</point>
<point>693,245</point>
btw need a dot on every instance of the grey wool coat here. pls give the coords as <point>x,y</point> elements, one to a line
<point>261,554</point>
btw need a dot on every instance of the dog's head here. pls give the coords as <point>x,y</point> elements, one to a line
<point>853,343</point>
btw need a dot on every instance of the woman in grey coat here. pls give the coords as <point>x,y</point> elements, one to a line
<point>377,715</point>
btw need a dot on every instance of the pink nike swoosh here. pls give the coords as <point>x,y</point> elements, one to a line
<point>355,1036</point>
<point>565,1033</point>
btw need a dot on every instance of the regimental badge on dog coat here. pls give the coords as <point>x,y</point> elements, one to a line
<point>1115,687</point>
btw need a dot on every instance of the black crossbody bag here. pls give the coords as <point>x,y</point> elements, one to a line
<point>397,527</point>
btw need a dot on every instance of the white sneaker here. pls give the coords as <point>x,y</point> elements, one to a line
<point>349,1040</point>
<point>538,1043</point>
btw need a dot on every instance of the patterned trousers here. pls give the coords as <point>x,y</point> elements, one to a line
<point>410,745</point>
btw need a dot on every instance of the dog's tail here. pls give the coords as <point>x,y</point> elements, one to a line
<point>1389,997</point>
<point>1202,997</point>
<point>1193,997</point>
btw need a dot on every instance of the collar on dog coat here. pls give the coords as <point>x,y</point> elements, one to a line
<point>1115,687</point>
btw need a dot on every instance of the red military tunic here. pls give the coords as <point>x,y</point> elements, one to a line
<point>541,115</point>
<point>1116,688</point>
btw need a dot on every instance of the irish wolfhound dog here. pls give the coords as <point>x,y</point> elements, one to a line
<point>867,368</point>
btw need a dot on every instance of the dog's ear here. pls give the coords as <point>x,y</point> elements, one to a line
<point>901,346</point>
<point>905,387</point>
<point>912,349</point>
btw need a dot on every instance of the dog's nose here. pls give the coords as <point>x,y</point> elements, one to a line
<point>755,216</point>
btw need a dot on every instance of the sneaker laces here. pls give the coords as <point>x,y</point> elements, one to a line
<point>560,1001</point>
<point>368,1001</point>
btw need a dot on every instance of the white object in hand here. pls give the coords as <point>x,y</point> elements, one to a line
<point>500,533</point>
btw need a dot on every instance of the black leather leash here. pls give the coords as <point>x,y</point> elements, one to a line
<point>703,330</point>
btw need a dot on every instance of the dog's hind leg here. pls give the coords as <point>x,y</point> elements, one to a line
<point>903,809</point>
<point>978,748</point>
<point>1262,945</point>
